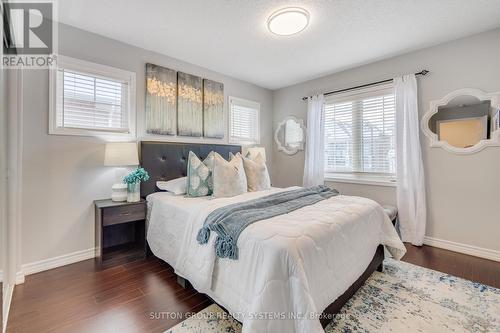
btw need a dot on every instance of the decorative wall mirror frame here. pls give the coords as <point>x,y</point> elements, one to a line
<point>494,132</point>
<point>279,136</point>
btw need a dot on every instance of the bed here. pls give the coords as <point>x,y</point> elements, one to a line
<point>294,271</point>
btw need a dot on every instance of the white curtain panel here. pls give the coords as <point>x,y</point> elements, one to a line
<point>314,168</point>
<point>410,169</point>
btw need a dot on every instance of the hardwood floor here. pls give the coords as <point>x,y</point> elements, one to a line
<point>79,298</point>
<point>461,265</point>
<point>135,297</point>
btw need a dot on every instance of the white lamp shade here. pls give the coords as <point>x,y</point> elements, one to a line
<point>120,154</point>
<point>254,151</point>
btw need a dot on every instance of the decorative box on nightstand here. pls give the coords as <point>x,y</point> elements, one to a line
<point>120,232</point>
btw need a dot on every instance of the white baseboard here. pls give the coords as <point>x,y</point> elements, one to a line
<point>70,258</point>
<point>7,299</point>
<point>463,248</point>
<point>46,264</point>
<point>19,279</point>
<point>1,276</point>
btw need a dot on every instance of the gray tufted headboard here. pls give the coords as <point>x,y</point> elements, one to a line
<point>168,160</point>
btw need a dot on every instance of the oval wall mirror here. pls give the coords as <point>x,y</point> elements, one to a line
<point>464,121</point>
<point>290,135</point>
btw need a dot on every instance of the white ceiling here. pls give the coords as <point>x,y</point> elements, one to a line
<point>231,37</point>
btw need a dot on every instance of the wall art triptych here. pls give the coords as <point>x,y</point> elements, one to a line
<point>182,104</point>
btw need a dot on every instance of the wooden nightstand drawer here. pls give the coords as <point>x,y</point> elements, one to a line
<point>123,214</point>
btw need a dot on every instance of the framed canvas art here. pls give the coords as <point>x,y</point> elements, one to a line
<point>189,107</point>
<point>213,109</point>
<point>161,100</point>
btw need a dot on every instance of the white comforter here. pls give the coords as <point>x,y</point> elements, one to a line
<point>290,267</point>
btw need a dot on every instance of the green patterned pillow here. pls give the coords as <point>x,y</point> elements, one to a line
<point>200,181</point>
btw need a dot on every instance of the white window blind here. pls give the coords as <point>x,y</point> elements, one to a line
<point>360,132</point>
<point>244,125</point>
<point>91,102</point>
<point>90,99</point>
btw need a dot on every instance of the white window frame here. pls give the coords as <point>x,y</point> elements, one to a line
<point>245,103</point>
<point>360,177</point>
<point>106,72</point>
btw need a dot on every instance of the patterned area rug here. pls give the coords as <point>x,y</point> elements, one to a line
<point>404,298</point>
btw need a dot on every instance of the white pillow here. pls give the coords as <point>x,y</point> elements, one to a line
<point>257,174</point>
<point>229,177</point>
<point>176,186</point>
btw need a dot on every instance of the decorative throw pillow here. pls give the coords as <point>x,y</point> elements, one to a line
<point>257,174</point>
<point>199,175</point>
<point>252,154</point>
<point>176,186</point>
<point>229,177</point>
<point>231,155</point>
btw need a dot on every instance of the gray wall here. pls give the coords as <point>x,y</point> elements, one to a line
<point>462,191</point>
<point>62,175</point>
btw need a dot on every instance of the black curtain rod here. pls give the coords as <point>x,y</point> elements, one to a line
<point>423,73</point>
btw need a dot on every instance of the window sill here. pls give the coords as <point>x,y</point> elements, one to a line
<point>360,179</point>
<point>104,135</point>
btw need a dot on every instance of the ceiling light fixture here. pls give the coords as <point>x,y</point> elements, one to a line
<point>288,21</point>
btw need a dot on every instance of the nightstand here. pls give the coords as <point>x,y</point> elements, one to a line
<point>120,232</point>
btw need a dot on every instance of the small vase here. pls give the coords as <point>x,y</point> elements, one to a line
<point>134,192</point>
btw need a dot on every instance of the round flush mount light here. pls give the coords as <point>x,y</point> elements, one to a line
<point>288,21</point>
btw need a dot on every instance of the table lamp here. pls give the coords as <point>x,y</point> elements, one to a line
<point>120,155</point>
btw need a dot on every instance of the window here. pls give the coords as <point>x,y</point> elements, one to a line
<point>91,99</point>
<point>244,121</point>
<point>360,135</point>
